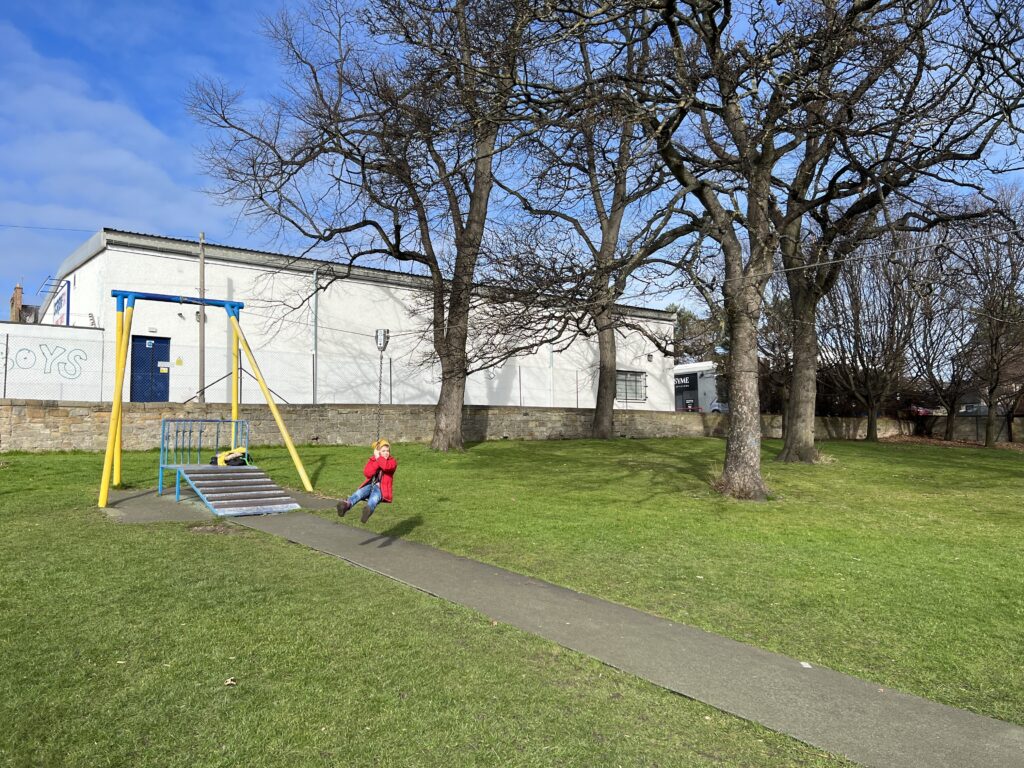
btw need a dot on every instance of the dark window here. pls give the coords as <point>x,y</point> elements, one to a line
<point>630,386</point>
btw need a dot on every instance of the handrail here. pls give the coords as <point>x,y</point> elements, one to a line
<point>183,441</point>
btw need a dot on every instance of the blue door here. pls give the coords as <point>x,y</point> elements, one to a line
<point>151,372</point>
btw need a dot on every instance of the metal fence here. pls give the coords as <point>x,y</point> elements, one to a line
<point>37,368</point>
<point>49,363</point>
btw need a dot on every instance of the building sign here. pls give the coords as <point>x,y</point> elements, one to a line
<point>62,305</point>
<point>686,381</point>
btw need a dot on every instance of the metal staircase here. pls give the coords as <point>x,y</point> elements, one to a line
<point>230,491</point>
<point>226,490</point>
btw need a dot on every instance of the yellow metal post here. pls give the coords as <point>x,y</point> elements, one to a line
<point>117,439</point>
<point>115,412</point>
<point>234,387</point>
<point>273,407</point>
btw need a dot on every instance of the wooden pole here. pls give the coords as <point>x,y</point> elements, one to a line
<point>202,318</point>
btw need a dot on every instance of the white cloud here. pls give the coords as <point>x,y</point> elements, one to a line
<point>72,156</point>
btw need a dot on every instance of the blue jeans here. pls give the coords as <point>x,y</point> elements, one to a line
<point>370,492</point>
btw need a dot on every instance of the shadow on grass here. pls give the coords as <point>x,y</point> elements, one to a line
<point>397,531</point>
<point>647,467</point>
<point>934,466</point>
<point>318,467</point>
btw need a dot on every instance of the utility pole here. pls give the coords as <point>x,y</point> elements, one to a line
<point>202,317</point>
<point>316,323</point>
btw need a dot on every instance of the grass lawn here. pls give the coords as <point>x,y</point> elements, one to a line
<point>902,564</point>
<point>897,563</point>
<point>116,642</point>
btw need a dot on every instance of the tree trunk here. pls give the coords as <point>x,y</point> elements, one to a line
<point>603,426</point>
<point>448,412</point>
<point>872,435</point>
<point>450,337</point>
<point>741,477</point>
<point>990,426</point>
<point>799,434</point>
<point>950,430</point>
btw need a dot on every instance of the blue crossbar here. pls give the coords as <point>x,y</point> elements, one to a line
<point>231,306</point>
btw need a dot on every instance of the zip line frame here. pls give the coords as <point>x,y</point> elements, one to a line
<point>125,312</point>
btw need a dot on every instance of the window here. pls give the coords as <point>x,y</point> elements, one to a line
<point>630,386</point>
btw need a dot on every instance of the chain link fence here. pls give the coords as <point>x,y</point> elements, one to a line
<point>73,364</point>
<point>82,369</point>
<point>34,366</point>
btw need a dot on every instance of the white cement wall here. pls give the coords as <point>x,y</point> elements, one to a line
<point>349,312</point>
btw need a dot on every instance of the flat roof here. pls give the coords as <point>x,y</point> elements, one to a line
<point>706,365</point>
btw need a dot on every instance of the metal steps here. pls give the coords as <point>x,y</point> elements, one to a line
<point>231,491</point>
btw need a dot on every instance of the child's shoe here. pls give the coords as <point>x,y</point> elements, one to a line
<point>343,507</point>
<point>366,514</point>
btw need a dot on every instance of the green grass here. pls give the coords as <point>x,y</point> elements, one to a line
<point>901,564</point>
<point>116,641</point>
<point>897,563</point>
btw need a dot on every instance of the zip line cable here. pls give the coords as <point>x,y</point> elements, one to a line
<point>46,229</point>
<point>878,254</point>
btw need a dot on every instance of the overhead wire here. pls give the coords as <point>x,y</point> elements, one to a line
<point>876,254</point>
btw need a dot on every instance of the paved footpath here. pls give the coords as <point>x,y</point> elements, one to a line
<point>863,721</point>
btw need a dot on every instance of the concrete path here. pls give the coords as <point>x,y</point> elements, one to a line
<point>135,506</point>
<point>861,720</point>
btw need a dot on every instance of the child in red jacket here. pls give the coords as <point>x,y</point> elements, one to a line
<point>379,472</point>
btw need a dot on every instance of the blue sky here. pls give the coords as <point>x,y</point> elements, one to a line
<point>93,128</point>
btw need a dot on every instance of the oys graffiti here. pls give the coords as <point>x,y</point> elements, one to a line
<point>48,360</point>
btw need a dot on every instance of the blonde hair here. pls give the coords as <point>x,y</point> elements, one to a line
<point>381,443</point>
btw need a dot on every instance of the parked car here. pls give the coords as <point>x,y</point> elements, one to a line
<point>717,406</point>
<point>979,409</point>
<point>973,409</point>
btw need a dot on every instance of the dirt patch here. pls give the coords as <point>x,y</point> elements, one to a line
<point>949,443</point>
<point>215,528</point>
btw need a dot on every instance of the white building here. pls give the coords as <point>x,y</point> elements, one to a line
<point>287,335</point>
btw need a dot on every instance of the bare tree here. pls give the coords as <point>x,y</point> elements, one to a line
<point>767,113</point>
<point>384,144</point>
<point>696,338</point>
<point>594,178</point>
<point>993,277</point>
<point>940,343</point>
<point>866,324</point>
<point>915,95</point>
<point>775,351</point>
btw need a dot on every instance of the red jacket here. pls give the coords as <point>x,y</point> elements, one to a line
<point>387,469</point>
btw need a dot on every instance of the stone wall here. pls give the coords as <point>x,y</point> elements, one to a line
<point>43,425</point>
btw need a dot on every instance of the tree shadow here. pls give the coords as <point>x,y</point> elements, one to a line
<point>395,532</point>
